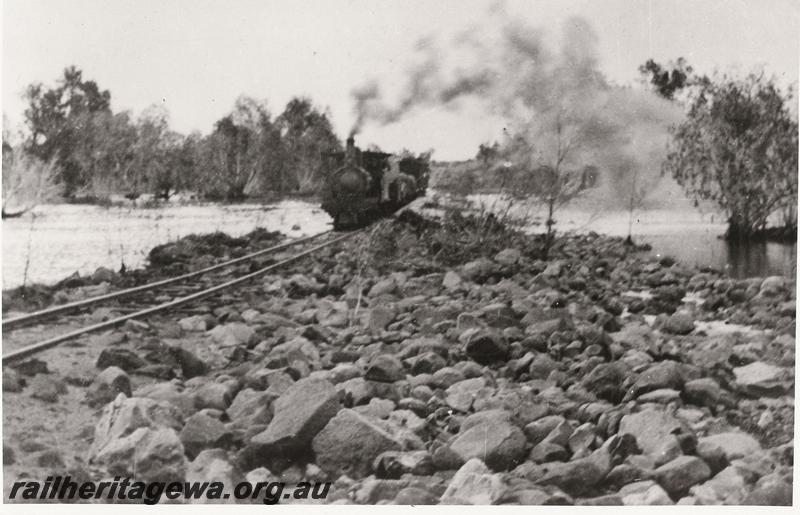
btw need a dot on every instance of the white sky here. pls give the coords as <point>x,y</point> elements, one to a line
<point>197,56</point>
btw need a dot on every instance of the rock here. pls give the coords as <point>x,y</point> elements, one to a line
<point>120,358</point>
<point>727,487</point>
<point>121,417</point>
<point>195,323</point>
<point>761,379</point>
<point>30,367</point>
<point>773,286</point>
<point>452,281</point>
<point>653,429</point>
<point>393,464</point>
<point>478,270</point>
<point>731,445</point>
<point>46,387</point>
<point>461,395</point>
<point>377,408</point>
<point>427,363</point>
<point>681,473</point>
<point>704,392</point>
<point>356,391</point>
<point>679,323</point>
<point>446,377</point>
<point>233,334</point>
<point>213,465</point>
<point>146,454</point>
<point>626,473</point>
<point>12,382</point>
<point>415,496</point>
<point>644,493</point>
<point>102,274</point>
<point>545,452</point>
<point>51,459</point>
<point>605,380</point>
<point>660,396</point>
<point>107,385</point>
<point>542,366</point>
<point>212,395</point>
<point>497,442</point>
<point>579,475</point>
<point>300,413</point>
<point>191,365</point>
<point>474,484</point>
<point>350,442</point>
<point>383,287</point>
<point>537,430</point>
<point>664,374</point>
<point>603,500</point>
<point>202,432</point>
<point>487,346</point>
<point>508,257</point>
<point>251,407</point>
<point>385,368</point>
<point>169,393</point>
<point>770,490</point>
<point>379,318</point>
<point>581,438</point>
<point>373,491</point>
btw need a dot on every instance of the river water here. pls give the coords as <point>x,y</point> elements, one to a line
<point>57,240</point>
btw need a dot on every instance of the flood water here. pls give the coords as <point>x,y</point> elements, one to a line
<point>58,240</point>
<point>680,230</point>
<point>62,239</point>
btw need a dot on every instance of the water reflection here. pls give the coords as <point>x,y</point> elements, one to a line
<point>704,248</point>
<point>751,259</point>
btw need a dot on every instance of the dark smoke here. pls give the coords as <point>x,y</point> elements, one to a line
<point>547,93</point>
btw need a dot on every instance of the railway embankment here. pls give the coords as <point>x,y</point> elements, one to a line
<point>428,362</point>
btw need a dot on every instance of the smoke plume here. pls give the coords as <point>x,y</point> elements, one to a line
<point>551,94</point>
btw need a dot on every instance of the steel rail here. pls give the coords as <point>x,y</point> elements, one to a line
<point>27,318</point>
<point>35,348</point>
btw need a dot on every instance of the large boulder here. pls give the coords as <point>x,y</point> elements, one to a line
<point>123,416</point>
<point>474,483</point>
<point>300,413</point>
<point>147,454</point>
<point>680,474</point>
<point>350,442</point>
<point>655,431</point>
<point>107,385</point>
<point>487,346</point>
<point>761,379</point>
<point>500,444</point>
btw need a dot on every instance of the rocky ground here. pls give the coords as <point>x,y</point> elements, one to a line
<point>427,363</point>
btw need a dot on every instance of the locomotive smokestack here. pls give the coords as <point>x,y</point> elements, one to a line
<point>350,150</point>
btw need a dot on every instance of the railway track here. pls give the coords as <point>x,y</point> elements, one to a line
<point>143,307</point>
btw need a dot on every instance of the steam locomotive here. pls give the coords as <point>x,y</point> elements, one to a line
<point>363,185</point>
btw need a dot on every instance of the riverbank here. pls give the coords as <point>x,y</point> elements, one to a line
<point>471,370</point>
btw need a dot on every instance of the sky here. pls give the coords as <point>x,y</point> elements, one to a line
<point>195,57</point>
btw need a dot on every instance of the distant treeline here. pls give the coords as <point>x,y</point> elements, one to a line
<point>87,151</point>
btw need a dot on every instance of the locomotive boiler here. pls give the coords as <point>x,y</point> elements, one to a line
<point>363,185</point>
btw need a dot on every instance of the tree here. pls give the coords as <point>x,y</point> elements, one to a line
<point>738,148</point>
<point>550,173</point>
<point>488,153</point>
<point>243,153</point>
<point>307,135</point>
<point>103,154</point>
<point>27,181</point>
<point>666,81</point>
<point>57,119</point>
